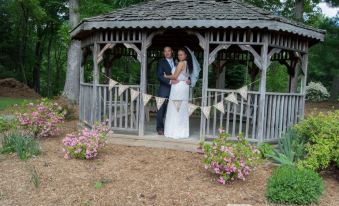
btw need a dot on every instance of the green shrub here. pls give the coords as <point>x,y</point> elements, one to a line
<point>291,185</point>
<point>7,123</point>
<point>315,91</point>
<point>291,149</point>
<point>266,149</point>
<point>321,134</point>
<point>23,146</point>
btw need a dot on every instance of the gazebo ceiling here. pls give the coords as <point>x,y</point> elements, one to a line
<point>198,14</point>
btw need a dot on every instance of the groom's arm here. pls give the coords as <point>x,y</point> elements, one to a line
<point>160,75</point>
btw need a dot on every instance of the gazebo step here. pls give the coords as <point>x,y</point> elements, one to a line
<point>190,145</point>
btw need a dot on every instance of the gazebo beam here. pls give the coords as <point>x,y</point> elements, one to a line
<point>96,49</point>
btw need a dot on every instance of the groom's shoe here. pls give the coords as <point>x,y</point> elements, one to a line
<point>160,132</point>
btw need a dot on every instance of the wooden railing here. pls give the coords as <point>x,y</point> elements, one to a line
<point>282,110</point>
<point>120,112</point>
<point>238,118</point>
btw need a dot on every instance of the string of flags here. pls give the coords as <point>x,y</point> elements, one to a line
<point>206,110</point>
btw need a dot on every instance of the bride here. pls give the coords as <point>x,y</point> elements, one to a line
<point>177,117</point>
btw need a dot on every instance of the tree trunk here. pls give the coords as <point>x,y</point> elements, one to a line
<point>72,84</point>
<point>49,66</point>
<point>38,60</point>
<point>299,10</point>
<point>335,88</point>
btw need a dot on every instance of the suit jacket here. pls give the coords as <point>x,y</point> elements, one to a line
<point>165,86</point>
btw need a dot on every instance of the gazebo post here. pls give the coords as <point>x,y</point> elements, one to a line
<point>143,75</point>
<point>304,68</point>
<point>96,48</point>
<point>206,47</point>
<point>81,80</point>
<point>262,89</point>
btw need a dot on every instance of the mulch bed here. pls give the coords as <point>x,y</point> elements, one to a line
<point>12,88</point>
<point>131,176</point>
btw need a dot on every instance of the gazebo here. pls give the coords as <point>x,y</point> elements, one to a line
<point>220,32</point>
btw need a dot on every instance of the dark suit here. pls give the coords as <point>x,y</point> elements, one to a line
<point>164,90</point>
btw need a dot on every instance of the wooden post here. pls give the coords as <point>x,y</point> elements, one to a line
<point>143,76</point>
<point>262,89</point>
<point>304,67</point>
<point>80,100</point>
<point>95,81</point>
<point>206,48</point>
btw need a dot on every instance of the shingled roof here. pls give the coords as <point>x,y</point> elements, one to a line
<point>195,14</point>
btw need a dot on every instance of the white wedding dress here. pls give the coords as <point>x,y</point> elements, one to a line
<point>177,121</point>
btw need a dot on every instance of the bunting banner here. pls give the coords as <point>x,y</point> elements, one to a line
<point>146,98</point>
<point>134,94</point>
<point>160,101</point>
<point>231,97</point>
<point>111,84</point>
<point>243,92</point>
<point>220,106</point>
<point>191,108</point>
<point>121,89</point>
<point>177,104</point>
<point>206,111</point>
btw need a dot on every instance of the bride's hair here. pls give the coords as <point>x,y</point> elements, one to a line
<point>188,59</point>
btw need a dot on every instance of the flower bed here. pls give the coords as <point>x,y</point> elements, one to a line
<point>230,160</point>
<point>86,143</point>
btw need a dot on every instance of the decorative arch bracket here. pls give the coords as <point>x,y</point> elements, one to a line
<point>214,53</point>
<point>271,53</point>
<point>202,40</point>
<point>101,53</point>
<point>257,57</point>
<point>150,37</point>
<point>135,48</point>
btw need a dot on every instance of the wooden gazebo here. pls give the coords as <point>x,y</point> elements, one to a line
<point>219,32</point>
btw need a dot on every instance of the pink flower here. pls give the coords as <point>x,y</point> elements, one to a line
<point>221,180</point>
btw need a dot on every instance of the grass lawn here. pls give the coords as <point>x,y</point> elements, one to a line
<point>7,102</point>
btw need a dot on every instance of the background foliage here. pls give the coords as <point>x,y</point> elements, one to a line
<point>35,38</point>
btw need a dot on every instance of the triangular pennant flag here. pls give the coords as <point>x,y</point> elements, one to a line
<point>243,92</point>
<point>111,84</point>
<point>122,88</point>
<point>134,94</point>
<point>232,98</point>
<point>220,107</point>
<point>191,108</point>
<point>177,104</point>
<point>160,101</point>
<point>146,98</point>
<point>206,111</point>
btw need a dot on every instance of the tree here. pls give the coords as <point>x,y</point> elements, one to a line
<point>72,84</point>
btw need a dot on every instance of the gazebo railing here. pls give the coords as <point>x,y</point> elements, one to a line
<point>120,112</point>
<point>282,110</point>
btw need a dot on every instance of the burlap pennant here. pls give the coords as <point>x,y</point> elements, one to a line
<point>231,97</point>
<point>177,104</point>
<point>111,84</point>
<point>146,98</point>
<point>220,106</point>
<point>191,108</point>
<point>134,94</point>
<point>122,88</point>
<point>243,92</point>
<point>206,111</point>
<point>160,101</point>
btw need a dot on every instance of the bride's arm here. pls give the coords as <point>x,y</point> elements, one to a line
<point>178,70</point>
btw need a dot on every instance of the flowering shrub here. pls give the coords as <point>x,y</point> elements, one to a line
<point>230,160</point>
<point>41,118</point>
<point>315,91</point>
<point>86,143</point>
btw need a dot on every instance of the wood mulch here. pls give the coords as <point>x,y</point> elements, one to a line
<point>130,176</point>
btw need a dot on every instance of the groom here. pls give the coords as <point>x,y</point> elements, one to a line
<point>165,65</point>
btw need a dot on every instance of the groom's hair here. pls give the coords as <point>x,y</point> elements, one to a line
<point>168,47</point>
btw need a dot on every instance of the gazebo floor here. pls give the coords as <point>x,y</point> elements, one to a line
<point>152,139</point>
